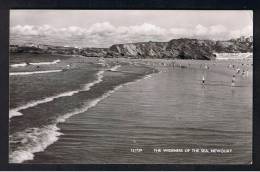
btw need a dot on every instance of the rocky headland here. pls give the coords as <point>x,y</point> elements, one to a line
<point>174,49</point>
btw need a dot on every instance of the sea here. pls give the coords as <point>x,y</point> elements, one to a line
<point>100,117</point>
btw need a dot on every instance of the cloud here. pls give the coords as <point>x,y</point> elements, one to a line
<point>24,30</point>
<point>101,28</point>
<point>105,34</point>
<point>217,29</point>
<point>201,30</point>
<point>146,29</point>
<point>246,31</point>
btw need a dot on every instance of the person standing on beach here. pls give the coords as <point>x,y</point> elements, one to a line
<point>233,81</point>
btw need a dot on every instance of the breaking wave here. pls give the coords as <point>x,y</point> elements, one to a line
<point>40,63</point>
<point>46,63</point>
<point>115,68</point>
<point>35,140</point>
<point>31,73</point>
<point>32,140</point>
<point>15,111</point>
<point>147,76</point>
<point>19,65</point>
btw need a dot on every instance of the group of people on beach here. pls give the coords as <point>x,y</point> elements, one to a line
<point>245,72</point>
<point>237,69</point>
<point>241,69</point>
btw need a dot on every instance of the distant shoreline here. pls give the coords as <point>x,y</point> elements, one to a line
<point>175,49</point>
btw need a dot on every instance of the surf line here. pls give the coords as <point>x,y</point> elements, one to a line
<point>40,63</point>
<point>31,73</point>
<point>35,140</point>
<point>16,111</point>
<point>46,63</point>
<point>49,134</point>
<point>115,68</point>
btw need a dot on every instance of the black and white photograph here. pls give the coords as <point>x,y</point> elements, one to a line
<point>130,86</point>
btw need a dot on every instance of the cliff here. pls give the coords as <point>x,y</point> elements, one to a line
<point>174,49</point>
<point>180,49</point>
<point>49,49</point>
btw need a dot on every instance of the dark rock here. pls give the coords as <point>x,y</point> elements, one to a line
<point>175,49</point>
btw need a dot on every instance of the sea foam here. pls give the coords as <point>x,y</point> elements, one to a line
<point>35,140</point>
<point>91,104</point>
<point>45,63</point>
<point>15,111</point>
<point>115,68</point>
<point>19,65</point>
<point>32,140</point>
<point>38,64</point>
<point>31,73</point>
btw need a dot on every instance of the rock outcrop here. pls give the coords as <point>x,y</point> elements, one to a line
<point>179,49</point>
<point>174,49</point>
<point>49,49</point>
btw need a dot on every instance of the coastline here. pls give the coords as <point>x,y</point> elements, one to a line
<point>113,76</point>
<point>84,94</point>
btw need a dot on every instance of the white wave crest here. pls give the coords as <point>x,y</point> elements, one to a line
<point>35,140</point>
<point>46,63</point>
<point>115,68</point>
<point>19,65</point>
<point>15,111</point>
<point>147,76</point>
<point>32,140</point>
<point>99,79</point>
<point>31,73</point>
<point>137,80</point>
<point>91,104</point>
<point>38,64</point>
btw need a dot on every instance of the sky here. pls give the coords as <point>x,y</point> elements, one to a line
<point>102,28</point>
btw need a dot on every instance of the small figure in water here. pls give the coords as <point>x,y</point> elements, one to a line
<point>233,81</point>
<point>203,81</point>
<point>67,68</point>
<point>238,70</point>
<point>243,73</point>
